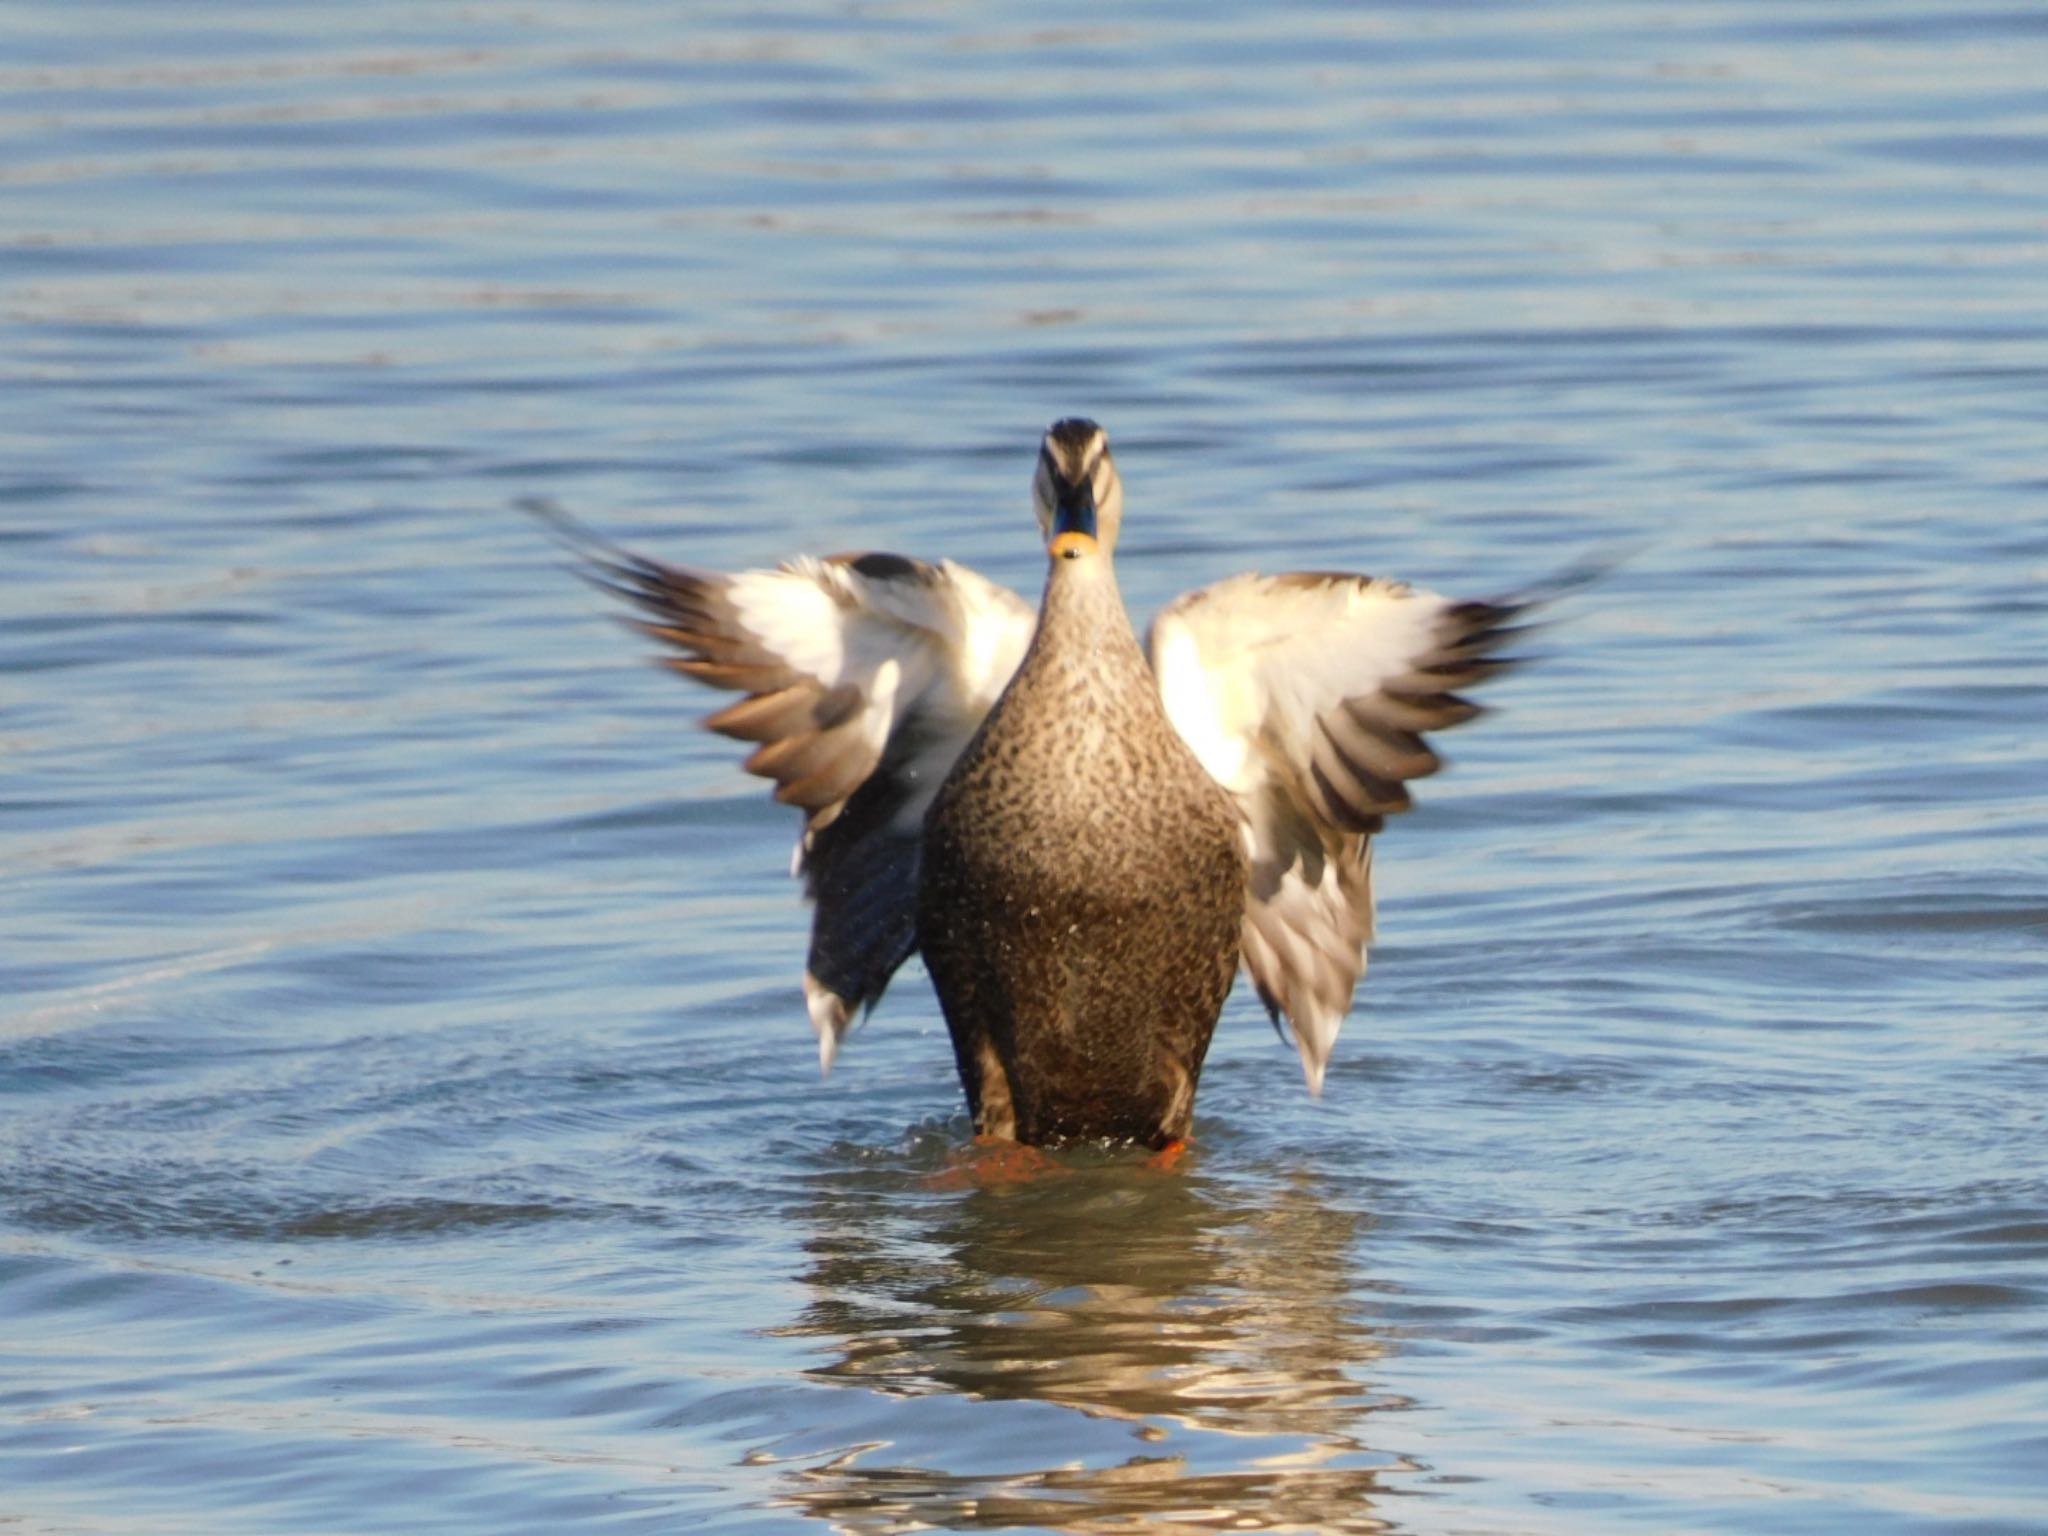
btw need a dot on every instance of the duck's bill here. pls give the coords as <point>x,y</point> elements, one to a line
<point>1073,524</point>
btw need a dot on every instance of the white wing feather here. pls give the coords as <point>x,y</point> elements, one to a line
<point>930,644</point>
<point>865,676</point>
<point>1305,697</point>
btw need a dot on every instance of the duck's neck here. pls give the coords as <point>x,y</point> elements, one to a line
<point>1082,614</point>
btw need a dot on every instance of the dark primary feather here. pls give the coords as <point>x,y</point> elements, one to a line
<point>1368,746</point>
<point>860,847</point>
<point>808,737</point>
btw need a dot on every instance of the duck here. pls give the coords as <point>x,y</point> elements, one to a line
<point>1086,836</point>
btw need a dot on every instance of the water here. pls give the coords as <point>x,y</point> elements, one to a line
<point>409,1118</point>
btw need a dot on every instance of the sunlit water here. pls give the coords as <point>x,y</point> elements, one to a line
<point>407,1116</point>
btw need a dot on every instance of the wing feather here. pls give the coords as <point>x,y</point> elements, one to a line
<point>864,677</point>
<point>1306,696</point>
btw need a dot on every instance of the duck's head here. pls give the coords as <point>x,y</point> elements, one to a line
<point>1079,498</point>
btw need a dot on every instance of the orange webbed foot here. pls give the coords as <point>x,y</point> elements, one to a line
<point>993,1160</point>
<point>1168,1156</point>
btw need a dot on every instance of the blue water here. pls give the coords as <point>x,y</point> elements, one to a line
<point>408,1119</point>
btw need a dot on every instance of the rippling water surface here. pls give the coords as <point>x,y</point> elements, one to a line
<point>407,1115</point>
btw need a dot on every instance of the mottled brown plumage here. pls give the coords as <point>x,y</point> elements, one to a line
<point>1083,889</point>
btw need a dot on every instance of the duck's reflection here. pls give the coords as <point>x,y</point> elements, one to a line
<point>1215,1321</point>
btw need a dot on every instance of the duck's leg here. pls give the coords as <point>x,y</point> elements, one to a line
<point>988,1093</point>
<point>1180,1063</point>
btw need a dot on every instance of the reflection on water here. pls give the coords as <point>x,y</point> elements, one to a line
<point>1207,1318</point>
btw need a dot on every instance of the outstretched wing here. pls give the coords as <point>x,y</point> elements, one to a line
<point>864,677</point>
<point>1306,696</point>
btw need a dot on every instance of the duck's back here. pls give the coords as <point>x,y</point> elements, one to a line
<point>1080,903</point>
